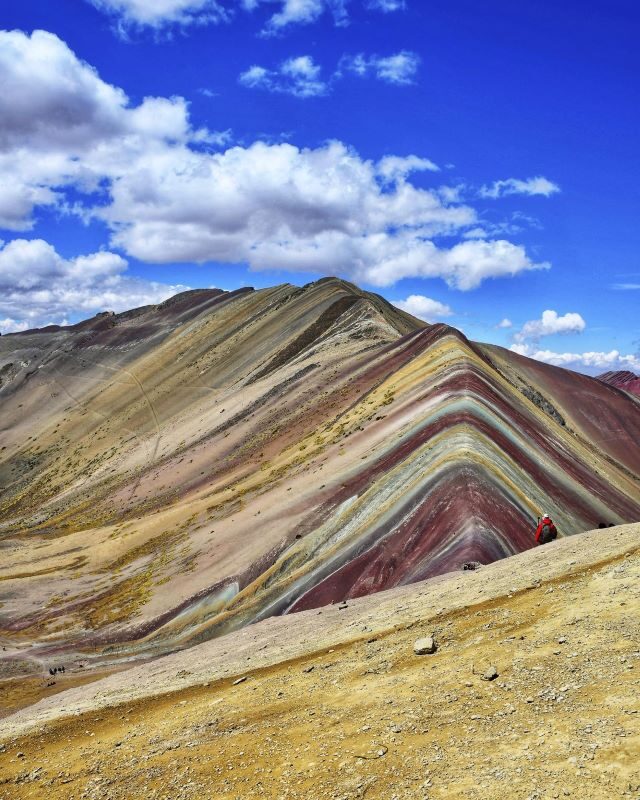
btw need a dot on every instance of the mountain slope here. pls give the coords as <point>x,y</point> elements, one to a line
<point>177,472</point>
<point>335,703</point>
<point>623,379</point>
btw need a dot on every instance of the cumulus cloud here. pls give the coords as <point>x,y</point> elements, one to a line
<point>158,13</point>
<point>549,324</point>
<point>304,12</point>
<point>301,76</point>
<point>424,307</point>
<point>531,186</point>
<point>591,361</point>
<point>384,258</point>
<point>505,323</point>
<point>299,12</point>
<point>393,168</point>
<point>298,76</point>
<point>38,286</point>
<point>71,141</point>
<point>61,125</point>
<point>400,68</point>
<point>280,207</point>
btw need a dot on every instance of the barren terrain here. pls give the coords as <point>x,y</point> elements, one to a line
<point>335,703</point>
<point>176,472</point>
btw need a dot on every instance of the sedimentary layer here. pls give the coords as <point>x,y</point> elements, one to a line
<point>177,472</point>
<point>622,379</point>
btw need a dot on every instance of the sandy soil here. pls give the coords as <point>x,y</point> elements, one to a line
<point>341,707</point>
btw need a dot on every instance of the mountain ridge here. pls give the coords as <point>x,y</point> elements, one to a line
<point>622,379</point>
<point>231,456</point>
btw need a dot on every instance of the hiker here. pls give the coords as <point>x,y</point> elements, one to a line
<point>546,531</point>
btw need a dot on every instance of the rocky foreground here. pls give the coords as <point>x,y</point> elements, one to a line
<point>533,691</point>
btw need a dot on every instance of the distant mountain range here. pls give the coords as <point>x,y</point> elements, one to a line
<point>178,471</point>
<point>623,379</point>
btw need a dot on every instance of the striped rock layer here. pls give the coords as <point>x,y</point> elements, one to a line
<point>622,379</point>
<point>176,472</point>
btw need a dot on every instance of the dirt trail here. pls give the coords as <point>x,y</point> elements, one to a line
<point>368,717</point>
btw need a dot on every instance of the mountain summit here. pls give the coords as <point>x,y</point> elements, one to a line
<point>177,471</point>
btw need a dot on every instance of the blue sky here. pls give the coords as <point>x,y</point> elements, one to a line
<point>476,164</point>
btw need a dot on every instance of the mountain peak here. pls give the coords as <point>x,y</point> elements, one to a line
<point>178,471</point>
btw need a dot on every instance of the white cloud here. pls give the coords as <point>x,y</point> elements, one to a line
<point>298,76</point>
<point>385,5</point>
<point>476,233</point>
<point>383,258</point>
<point>399,68</point>
<point>424,307</point>
<point>549,324</point>
<point>61,126</point>
<point>612,360</point>
<point>505,323</point>
<point>301,76</point>
<point>17,201</point>
<point>514,225</point>
<point>393,168</point>
<point>12,325</point>
<point>158,13</point>
<point>279,207</point>
<point>626,287</point>
<point>299,12</point>
<point>38,286</point>
<point>167,197</point>
<point>531,186</point>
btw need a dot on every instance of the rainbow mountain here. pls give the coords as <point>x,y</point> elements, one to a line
<point>178,471</point>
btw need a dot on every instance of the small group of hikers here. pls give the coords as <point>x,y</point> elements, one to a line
<point>546,531</point>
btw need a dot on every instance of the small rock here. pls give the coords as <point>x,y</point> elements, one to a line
<point>239,680</point>
<point>309,669</point>
<point>424,646</point>
<point>491,674</point>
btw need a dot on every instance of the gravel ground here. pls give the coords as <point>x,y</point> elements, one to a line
<point>533,691</point>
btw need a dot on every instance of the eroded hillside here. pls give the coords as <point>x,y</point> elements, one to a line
<point>176,472</point>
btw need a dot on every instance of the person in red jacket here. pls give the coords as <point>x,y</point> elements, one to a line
<point>546,530</point>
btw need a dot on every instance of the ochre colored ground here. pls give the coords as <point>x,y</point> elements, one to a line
<point>371,719</point>
<point>17,693</point>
